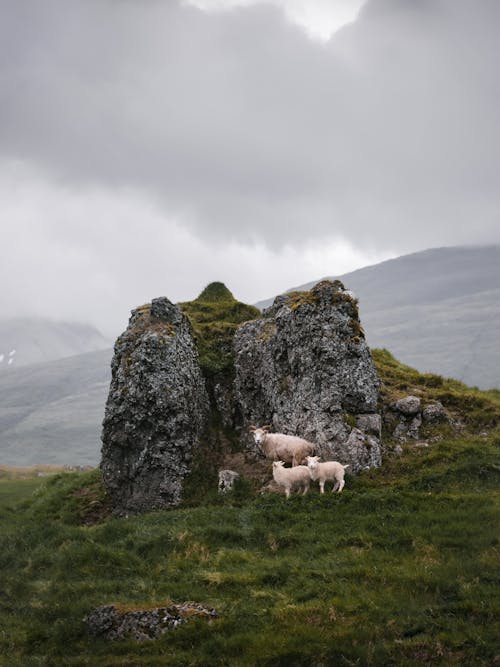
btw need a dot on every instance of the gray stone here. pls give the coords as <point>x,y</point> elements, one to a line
<point>107,622</point>
<point>156,410</point>
<point>408,406</point>
<point>227,479</point>
<point>401,431</point>
<point>408,427</point>
<point>361,451</point>
<point>303,366</point>
<point>370,423</point>
<point>434,413</point>
<point>414,427</point>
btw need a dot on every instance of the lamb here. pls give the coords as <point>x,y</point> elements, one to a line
<point>291,477</point>
<point>278,446</point>
<point>327,471</point>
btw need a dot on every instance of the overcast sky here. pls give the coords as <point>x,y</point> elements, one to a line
<point>148,147</point>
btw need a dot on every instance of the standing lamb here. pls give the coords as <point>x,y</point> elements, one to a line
<point>328,471</point>
<point>290,478</point>
<point>278,446</point>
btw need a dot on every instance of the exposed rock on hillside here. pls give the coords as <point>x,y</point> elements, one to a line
<point>183,390</point>
<point>156,410</point>
<point>305,367</point>
<point>111,623</point>
<point>404,417</point>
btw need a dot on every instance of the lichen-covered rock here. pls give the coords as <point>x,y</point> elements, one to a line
<point>156,410</point>
<point>227,479</point>
<point>408,406</point>
<point>408,427</point>
<point>303,366</point>
<point>434,413</point>
<point>362,451</point>
<point>370,424</point>
<point>108,622</point>
<point>414,427</point>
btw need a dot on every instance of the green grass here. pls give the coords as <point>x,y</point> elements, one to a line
<point>13,491</point>
<point>399,569</point>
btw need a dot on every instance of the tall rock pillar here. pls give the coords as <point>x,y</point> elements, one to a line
<point>156,410</point>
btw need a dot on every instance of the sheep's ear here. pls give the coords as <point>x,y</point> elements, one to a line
<point>252,427</point>
<point>266,428</point>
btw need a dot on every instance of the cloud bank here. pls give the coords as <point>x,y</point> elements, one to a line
<point>236,133</point>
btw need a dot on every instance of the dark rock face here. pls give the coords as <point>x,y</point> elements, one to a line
<point>303,366</point>
<point>111,624</point>
<point>156,410</point>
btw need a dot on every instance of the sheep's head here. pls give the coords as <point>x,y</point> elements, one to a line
<point>259,433</point>
<point>278,464</point>
<point>312,461</point>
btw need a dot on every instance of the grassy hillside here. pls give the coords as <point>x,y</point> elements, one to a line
<point>400,569</point>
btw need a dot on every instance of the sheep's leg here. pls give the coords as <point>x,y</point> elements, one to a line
<point>322,485</point>
<point>287,492</point>
<point>335,486</point>
<point>306,488</point>
<point>341,485</point>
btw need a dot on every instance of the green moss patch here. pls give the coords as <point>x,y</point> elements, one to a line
<point>215,315</point>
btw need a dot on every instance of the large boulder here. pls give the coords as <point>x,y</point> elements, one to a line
<point>156,411</point>
<point>306,369</point>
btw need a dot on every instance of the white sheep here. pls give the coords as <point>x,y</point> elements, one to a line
<point>278,446</point>
<point>332,471</point>
<point>290,478</point>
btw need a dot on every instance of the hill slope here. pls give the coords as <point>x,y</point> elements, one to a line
<point>399,569</point>
<point>437,310</point>
<point>52,413</point>
<point>30,340</point>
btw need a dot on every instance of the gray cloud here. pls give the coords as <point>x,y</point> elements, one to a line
<point>239,127</point>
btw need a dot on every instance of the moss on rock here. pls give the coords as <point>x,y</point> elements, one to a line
<point>215,315</point>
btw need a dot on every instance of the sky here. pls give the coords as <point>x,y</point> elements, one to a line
<point>149,147</point>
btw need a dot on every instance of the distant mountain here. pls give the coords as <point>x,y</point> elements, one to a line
<point>25,341</point>
<point>52,412</point>
<point>436,310</point>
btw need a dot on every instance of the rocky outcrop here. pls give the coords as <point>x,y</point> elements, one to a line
<point>176,407</point>
<point>108,622</point>
<point>306,369</point>
<point>404,418</point>
<point>156,410</point>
